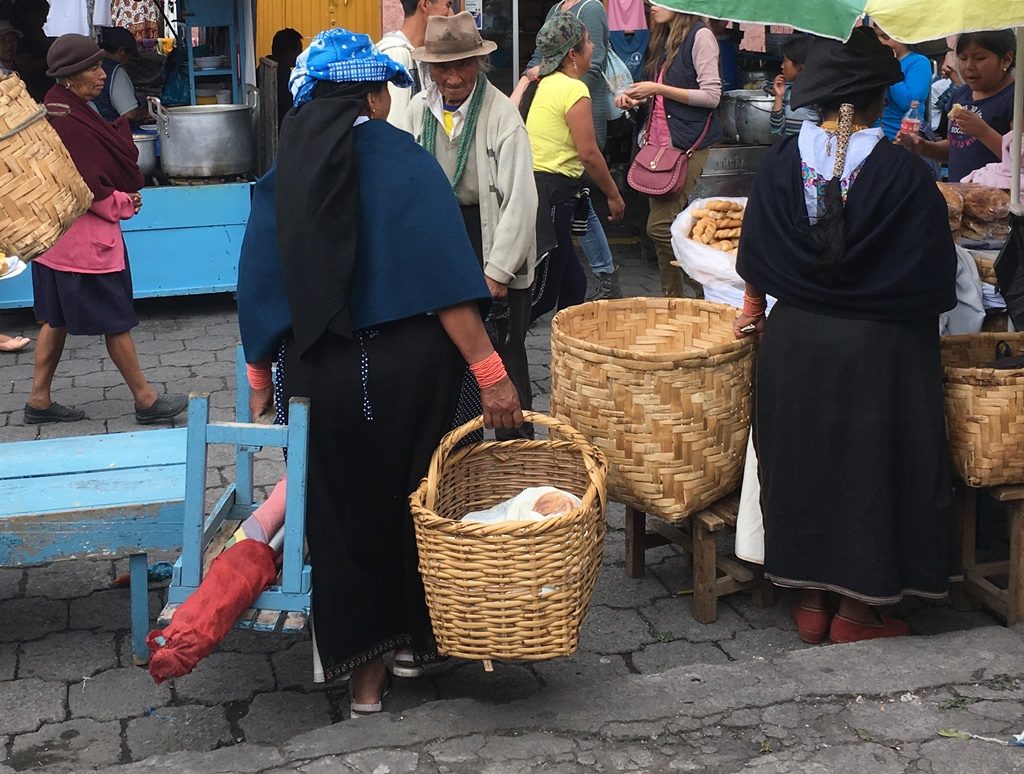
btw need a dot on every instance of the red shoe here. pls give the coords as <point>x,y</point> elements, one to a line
<point>812,622</point>
<point>846,630</point>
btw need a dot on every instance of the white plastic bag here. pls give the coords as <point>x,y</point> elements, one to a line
<point>714,269</point>
<point>618,78</point>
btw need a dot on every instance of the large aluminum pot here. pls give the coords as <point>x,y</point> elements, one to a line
<point>204,140</point>
<point>146,143</point>
<point>749,113</point>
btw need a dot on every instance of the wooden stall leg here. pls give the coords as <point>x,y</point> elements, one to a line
<point>1015,590</point>
<point>705,574</point>
<point>138,587</point>
<point>762,593</point>
<point>636,542</point>
<point>966,509</point>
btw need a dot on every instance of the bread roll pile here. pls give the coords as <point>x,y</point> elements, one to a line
<point>977,212</point>
<point>718,225</point>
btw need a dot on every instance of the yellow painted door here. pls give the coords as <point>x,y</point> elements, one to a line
<point>311,16</point>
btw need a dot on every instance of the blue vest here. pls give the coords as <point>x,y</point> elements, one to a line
<point>686,122</point>
<point>102,102</point>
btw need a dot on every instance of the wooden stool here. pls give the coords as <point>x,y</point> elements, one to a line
<point>1007,603</point>
<point>714,575</point>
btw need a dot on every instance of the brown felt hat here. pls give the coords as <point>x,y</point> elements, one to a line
<point>451,38</point>
<point>70,54</point>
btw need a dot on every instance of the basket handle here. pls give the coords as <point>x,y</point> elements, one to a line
<point>452,439</point>
<point>39,113</point>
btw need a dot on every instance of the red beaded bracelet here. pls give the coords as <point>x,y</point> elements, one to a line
<point>754,306</point>
<point>489,371</point>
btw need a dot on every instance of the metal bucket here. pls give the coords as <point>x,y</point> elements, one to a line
<point>204,140</point>
<point>146,143</point>
<point>752,117</point>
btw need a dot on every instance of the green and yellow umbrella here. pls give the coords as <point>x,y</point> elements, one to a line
<point>910,21</point>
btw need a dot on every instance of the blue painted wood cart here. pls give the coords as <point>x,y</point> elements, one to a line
<point>186,240</point>
<point>95,496</point>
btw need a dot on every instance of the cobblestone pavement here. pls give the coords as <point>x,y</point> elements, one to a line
<point>70,699</point>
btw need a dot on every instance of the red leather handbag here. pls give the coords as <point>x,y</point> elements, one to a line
<point>661,171</point>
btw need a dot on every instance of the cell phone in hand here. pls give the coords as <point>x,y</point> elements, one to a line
<point>748,328</point>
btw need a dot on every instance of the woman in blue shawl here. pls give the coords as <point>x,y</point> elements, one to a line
<point>372,286</point>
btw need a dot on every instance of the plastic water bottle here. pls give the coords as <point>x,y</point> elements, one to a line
<point>911,123</point>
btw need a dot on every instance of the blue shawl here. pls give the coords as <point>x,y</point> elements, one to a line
<point>412,252</point>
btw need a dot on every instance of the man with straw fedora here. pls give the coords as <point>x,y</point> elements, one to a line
<point>478,137</point>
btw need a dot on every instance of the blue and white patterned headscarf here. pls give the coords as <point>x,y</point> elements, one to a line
<point>342,56</point>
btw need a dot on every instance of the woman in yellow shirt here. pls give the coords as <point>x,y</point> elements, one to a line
<point>561,128</point>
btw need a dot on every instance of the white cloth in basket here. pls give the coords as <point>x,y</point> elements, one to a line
<point>532,504</point>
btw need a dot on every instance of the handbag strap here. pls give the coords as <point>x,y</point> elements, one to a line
<point>703,134</point>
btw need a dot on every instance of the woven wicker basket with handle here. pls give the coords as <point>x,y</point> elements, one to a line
<point>984,409</point>
<point>41,192</point>
<point>513,590</point>
<point>663,387</point>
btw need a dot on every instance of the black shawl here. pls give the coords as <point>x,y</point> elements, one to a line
<point>317,203</point>
<point>898,261</point>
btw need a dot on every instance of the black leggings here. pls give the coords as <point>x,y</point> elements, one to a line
<point>560,281</point>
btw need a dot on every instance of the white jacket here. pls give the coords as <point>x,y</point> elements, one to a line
<point>398,47</point>
<point>508,193</point>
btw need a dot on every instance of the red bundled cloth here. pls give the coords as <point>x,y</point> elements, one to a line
<point>234,580</point>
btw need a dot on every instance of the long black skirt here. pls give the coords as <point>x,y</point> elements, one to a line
<point>850,437</point>
<point>379,406</point>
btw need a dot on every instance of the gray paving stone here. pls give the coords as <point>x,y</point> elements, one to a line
<point>108,610</point>
<point>69,578</point>
<point>98,379</point>
<point>560,673</point>
<point>88,426</point>
<point>938,619</point>
<point>277,716</point>
<point>188,727</point>
<point>68,657</point>
<point>778,616</point>
<point>662,656</point>
<point>293,667</point>
<point>525,747</point>
<point>382,761</point>
<point>762,643</point>
<point>14,432</point>
<point>11,579</point>
<point>226,677</point>
<point>607,630</point>
<point>28,619</point>
<point>672,618</point>
<point>508,682</point>
<point>160,346</point>
<point>72,746</point>
<point>117,693</point>
<point>616,589</point>
<point>26,704</point>
<point>247,641</point>
<point>109,408</point>
<point>8,661</point>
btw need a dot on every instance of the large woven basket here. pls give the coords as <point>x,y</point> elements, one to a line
<point>41,192</point>
<point>517,590</point>
<point>984,409</point>
<point>663,387</point>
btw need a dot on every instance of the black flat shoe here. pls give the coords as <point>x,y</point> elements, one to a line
<point>164,408</point>
<point>52,413</point>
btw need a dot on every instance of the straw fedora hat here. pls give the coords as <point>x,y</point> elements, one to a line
<point>451,38</point>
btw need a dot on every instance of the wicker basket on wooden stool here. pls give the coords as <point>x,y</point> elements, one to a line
<point>41,192</point>
<point>663,387</point>
<point>514,590</point>
<point>984,409</point>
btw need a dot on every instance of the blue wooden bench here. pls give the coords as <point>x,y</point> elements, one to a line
<point>95,496</point>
